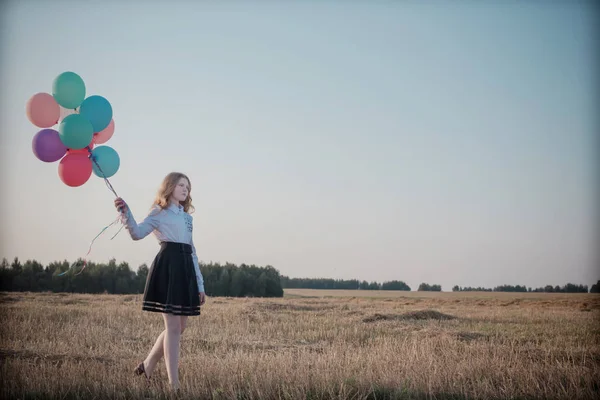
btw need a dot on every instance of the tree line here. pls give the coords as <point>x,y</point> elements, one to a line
<point>347,284</point>
<point>245,280</point>
<point>113,278</point>
<point>568,288</point>
<point>219,280</point>
<point>324,283</point>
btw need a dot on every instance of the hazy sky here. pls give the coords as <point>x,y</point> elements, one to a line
<point>447,143</point>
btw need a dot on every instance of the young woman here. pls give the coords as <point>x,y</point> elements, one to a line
<point>174,286</point>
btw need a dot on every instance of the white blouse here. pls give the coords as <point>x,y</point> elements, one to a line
<point>169,225</point>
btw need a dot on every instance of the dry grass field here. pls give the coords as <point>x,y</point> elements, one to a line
<point>309,345</point>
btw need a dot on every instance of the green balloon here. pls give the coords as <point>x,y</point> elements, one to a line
<point>76,131</point>
<point>68,90</point>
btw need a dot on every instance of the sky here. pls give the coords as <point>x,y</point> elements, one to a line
<point>448,143</point>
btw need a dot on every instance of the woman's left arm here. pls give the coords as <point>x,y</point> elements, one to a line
<point>199,277</point>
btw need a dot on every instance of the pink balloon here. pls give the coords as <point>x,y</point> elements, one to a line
<point>75,169</point>
<point>42,110</point>
<point>104,135</point>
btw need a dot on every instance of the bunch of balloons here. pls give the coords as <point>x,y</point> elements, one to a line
<point>83,124</point>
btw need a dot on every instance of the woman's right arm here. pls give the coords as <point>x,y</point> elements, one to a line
<point>143,229</point>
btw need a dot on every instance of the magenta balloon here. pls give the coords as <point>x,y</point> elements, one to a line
<point>47,146</point>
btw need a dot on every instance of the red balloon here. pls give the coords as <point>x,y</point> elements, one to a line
<point>75,169</point>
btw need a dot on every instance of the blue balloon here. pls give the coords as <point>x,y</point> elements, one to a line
<point>98,110</point>
<point>75,131</point>
<point>105,161</point>
<point>68,90</point>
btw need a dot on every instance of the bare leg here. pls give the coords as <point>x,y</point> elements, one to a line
<point>157,351</point>
<point>155,354</point>
<point>171,347</point>
<point>183,323</point>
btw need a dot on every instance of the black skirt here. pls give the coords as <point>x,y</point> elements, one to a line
<point>171,286</point>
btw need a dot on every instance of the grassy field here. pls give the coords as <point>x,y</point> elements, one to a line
<point>309,345</point>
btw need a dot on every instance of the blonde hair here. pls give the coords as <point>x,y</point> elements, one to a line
<point>166,190</point>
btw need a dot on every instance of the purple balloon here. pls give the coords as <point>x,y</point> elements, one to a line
<point>47,146</point>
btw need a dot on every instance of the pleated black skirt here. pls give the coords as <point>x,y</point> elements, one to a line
<point>171,286</point>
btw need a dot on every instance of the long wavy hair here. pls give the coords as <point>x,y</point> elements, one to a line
<point>166,190</point>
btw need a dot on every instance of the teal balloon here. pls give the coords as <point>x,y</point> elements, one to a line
<point>75,131</point>
<point>98,110</point>
<point>68,90</point>
<point>105,161</point>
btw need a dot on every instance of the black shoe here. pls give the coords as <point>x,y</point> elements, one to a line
<point>140,370</point>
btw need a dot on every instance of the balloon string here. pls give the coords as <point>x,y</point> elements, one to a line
<point>108,184</point>
<point>90,248</point>
<point>102,172</point>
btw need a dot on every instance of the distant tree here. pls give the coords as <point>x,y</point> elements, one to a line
<point>140,278</point>
<point>210,274</point>
<point>573,288</point>
<point>124,279</point>
<point>16,266</point>
<point>284,281</point>
<point>109,276</point>
<point>470,289</point>
<point>425,287</point>
<point>510,288</point>
<point>222,288</point>
<point>261,285</point>
<point>395,285</point>
<point>557,289</point>
<point>6,275</point>
<point>18,282</point>
<point>237,283</point>
<point>595,288</point>
<point>273,282</point>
